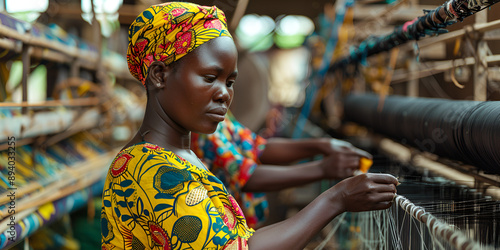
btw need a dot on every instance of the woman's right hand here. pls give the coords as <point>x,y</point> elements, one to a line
<point>365,192</point>
<point>359,193</point>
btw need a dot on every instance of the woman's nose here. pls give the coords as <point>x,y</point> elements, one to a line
<point>224,93</point>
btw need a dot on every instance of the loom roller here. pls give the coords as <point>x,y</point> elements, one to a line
<point>467,218</point>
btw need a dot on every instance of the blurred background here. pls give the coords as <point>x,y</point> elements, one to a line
<point>68,102</point>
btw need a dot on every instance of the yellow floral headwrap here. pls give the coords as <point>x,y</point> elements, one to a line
<point>167,32</point>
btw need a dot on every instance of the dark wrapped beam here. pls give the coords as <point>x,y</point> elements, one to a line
<point>467,131</point>
<point>432,22</point>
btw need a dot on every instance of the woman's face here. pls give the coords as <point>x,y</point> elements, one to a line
<point>199,89</point>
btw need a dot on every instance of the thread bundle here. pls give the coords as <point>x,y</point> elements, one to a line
<point>467,131</point>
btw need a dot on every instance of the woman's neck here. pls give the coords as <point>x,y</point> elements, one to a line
<point>158,128</point>
<point>164,139</point>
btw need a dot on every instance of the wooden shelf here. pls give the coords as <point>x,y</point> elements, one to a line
<point>41,47</point>
<point>73,178</point>
<point>72,188</point>
<point>46,126</point>
<point>48,122</point>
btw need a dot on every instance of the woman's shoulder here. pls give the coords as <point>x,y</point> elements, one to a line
<point>145,157</point>
<point>154,156</point>
<point>145,163</point>
<point>149,150</point>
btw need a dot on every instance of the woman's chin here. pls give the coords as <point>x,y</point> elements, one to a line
<point>208,130</point>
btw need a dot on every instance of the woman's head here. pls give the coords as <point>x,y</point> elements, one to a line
<point>188,63</point>
<point>197,93</point>
<point>167,32</point>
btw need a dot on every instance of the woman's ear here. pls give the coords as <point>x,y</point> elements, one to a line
<point>158,74</point>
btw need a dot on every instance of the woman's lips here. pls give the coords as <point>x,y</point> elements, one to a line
<point>218,114</point>
<point>217,117</point>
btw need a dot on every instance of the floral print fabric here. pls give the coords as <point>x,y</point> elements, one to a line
<point>168,31</point>
<point>153,199</point>
<point>232,154</point>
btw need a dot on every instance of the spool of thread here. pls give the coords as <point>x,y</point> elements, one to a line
<point>467,131</point>
<point>365,164</point>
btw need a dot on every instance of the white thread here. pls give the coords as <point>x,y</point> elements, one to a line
<point>331,233</point>
<point>375,228</point>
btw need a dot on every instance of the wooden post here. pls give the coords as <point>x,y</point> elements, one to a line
<point>359,84</point>
<point>25,58</point>
<point>481,66</point>
<point>412,87</point>
<point>100,74</point>
<point>238,14</point>
<point>481,72</point>
<point>26,243</point>
<point>75,68</point>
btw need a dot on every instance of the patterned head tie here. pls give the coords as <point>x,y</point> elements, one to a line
<point>167,32</point>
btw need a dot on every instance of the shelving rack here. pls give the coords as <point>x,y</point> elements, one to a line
<point>51,162</point>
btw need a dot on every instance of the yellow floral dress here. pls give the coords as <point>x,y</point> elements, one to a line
<point>153,199</point>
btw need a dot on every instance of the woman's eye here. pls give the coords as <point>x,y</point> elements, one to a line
<point>230,84</point>
<point>210,79</point>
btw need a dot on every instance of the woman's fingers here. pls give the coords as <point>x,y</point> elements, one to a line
<point>361,153</point>
<point>384,179</point>
<point>382,200</point>
<point>384,188</point>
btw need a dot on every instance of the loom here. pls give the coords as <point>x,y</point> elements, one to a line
<point>460,211</point>
<point>429,212</point>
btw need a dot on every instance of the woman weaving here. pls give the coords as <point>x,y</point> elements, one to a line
<point>157,194</point>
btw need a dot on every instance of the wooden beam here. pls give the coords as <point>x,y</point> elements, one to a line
<point>78,102</point>
<point>459,173</point>
<point>453,35</point>
<point>41,42</point>
<point>494,74</point>
<point>373,11</point>
<point>373,25</point>
<point>432,68</point>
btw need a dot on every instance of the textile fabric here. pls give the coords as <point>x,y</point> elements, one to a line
<point>154,199</point>
<point>232,154</point>
<point>167,32</point>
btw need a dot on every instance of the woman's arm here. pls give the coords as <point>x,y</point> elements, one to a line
<point>267,178</point>
<point>360,193</point>
<point>337,166</point>
<point>279,151</point>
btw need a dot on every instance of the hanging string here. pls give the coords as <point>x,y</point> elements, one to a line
<point>331,233</point>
